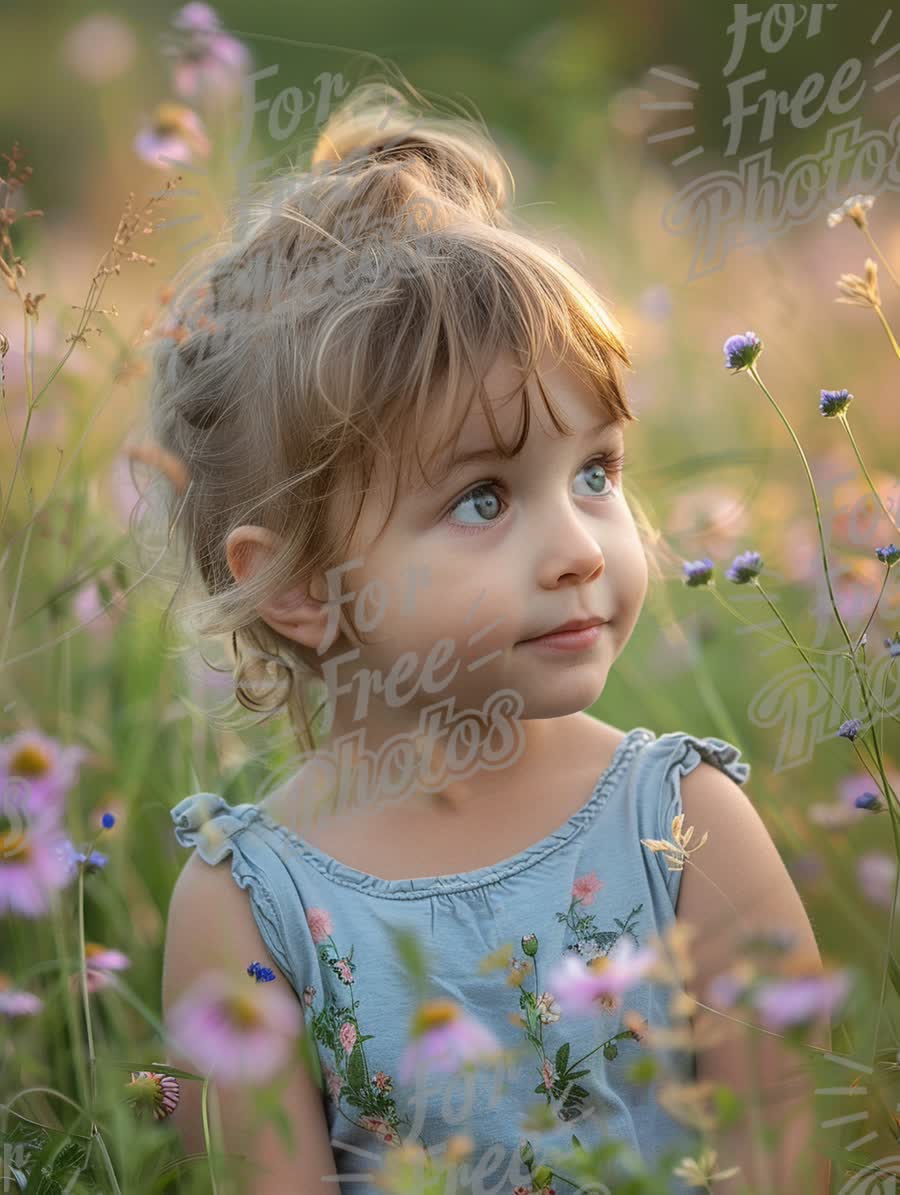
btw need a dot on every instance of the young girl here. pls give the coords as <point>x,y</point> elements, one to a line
<point>403,424</point>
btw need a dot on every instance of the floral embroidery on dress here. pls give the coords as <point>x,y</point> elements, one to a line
<point>559,1077</point>
<point>336,1027</point>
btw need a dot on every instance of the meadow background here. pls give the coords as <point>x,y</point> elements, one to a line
<point>104,714</point>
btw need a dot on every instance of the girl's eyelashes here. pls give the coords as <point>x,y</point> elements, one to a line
<point>610,463</point>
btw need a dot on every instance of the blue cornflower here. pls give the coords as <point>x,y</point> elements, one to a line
<point>744,567</point>
<point>92,862</point>
<point>834,402</point>
<point>697,572</point>
<point>108,821</point>
<point>741,351</point>
<point>889,555</point>
<point>870,801</point>
<point>850,729</point>
<point>260,973</point>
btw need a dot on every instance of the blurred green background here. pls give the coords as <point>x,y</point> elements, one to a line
<point>567,95</point>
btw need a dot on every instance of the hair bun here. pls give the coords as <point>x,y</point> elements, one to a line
<point>377,126</point>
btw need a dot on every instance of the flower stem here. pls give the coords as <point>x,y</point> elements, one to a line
<point>714,590</point>
<point>810,665</point>
<point>887,328</point>
<point>754,373</point>
<point>884,261</point>
<point>872,615</point>
<point>843,419</point>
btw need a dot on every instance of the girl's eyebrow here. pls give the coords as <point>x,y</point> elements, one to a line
<point>480,454</point>
<point>491,453</point>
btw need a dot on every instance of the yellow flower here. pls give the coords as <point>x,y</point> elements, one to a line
<point>678,850</point>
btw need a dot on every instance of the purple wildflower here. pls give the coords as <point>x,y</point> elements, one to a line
<point>579,986</point>
<point>697,572</point>
<point>741,351</point>
<point>876,872</point>
<point>893,645</point>
<point>445,1038</point>
<point>260,973</point>
<point>91,863</point>
<point>108,821</point>
<point>234,1031</point>
<point>834,402</point>
<point>208,61</point>
<point>784,1003</point>
<point>175,134</point>
<point>889,555</point>
<point>16,1003</point>
<point>151,1089</point>
<point>34,859</point>
<point>43,766</point>
<point>744,567</point>
<point>850,729</point>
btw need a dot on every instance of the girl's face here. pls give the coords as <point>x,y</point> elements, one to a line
<point>501,551</point>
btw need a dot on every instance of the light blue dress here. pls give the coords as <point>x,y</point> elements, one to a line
<point>330,928</point>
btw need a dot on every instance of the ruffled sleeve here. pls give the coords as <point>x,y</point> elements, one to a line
<point>259,865</point>
<point>665,761</point>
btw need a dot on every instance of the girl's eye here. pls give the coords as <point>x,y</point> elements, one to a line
<point>601,470</point>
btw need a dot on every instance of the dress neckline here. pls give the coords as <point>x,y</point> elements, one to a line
<point>422,886</point>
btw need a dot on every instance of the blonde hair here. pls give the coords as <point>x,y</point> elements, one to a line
<point>372,300</point>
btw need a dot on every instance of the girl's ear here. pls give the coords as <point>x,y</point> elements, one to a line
<point>297,613</point>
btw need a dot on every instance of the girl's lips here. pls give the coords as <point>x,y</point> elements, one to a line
<point>568,640</point>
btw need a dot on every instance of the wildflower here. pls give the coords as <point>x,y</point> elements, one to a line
<point>208,61</point>
<point>108,821</point>
<point>99,963</point>
<point>889,555</point>
<point>175,134</point>
<point>741,351</point>
<point>586,888</point>
<point>91,863</point>
<point>850,729</point>
<point>444,1037</point>
<point>678,850</point>
<point>701,1171</point>
<point>149,1089</point>
<point>744,567</point>
<point>855,207</point>
<point>876,873</point>
<point>893,645</point>
<point>43,765</point>
<point>580,985</point>
<point>697,572</point>
<point>260,973</point>
<point>861,292</point>
<point>233,1031</point>
<point>34,859</point>
<point>834,402</point>
<point>796,1001</point>
<point>16,1003</point>
<point>870,801</point>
